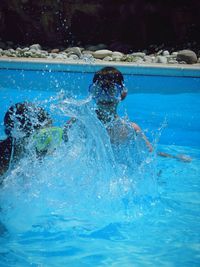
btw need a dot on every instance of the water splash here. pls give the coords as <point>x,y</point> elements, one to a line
<point>87,179</point>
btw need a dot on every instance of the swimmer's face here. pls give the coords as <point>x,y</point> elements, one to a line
<point>107,92</point>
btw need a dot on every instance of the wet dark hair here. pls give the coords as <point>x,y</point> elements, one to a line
<point>25,117</point>
<point>107,76</point>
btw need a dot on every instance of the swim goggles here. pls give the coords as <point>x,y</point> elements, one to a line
<point>109,92</point>
<point>48,139</point>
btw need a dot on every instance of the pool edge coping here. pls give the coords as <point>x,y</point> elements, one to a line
<point>156,69</point>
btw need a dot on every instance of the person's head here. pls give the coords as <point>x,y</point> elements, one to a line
<point>22,119</point>
<point>108,86</point>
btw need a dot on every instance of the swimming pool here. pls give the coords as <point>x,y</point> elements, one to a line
<point>152,222</point>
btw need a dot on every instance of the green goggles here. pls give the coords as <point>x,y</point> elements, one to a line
<point>48,139</point>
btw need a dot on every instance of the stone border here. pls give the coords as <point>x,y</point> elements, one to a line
<point>99,53</point>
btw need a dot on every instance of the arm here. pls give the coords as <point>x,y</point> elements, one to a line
<point>66,128</point>
<point>180,157</point>
<point>139,131</point>
<point>5,153</point>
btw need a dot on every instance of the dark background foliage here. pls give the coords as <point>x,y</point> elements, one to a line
<point>120,24</point>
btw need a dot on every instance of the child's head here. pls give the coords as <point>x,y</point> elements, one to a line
<point>108,86</point>
<point>22,119</point>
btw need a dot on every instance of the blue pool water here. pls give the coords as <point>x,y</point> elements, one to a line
<point>80,207</point>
